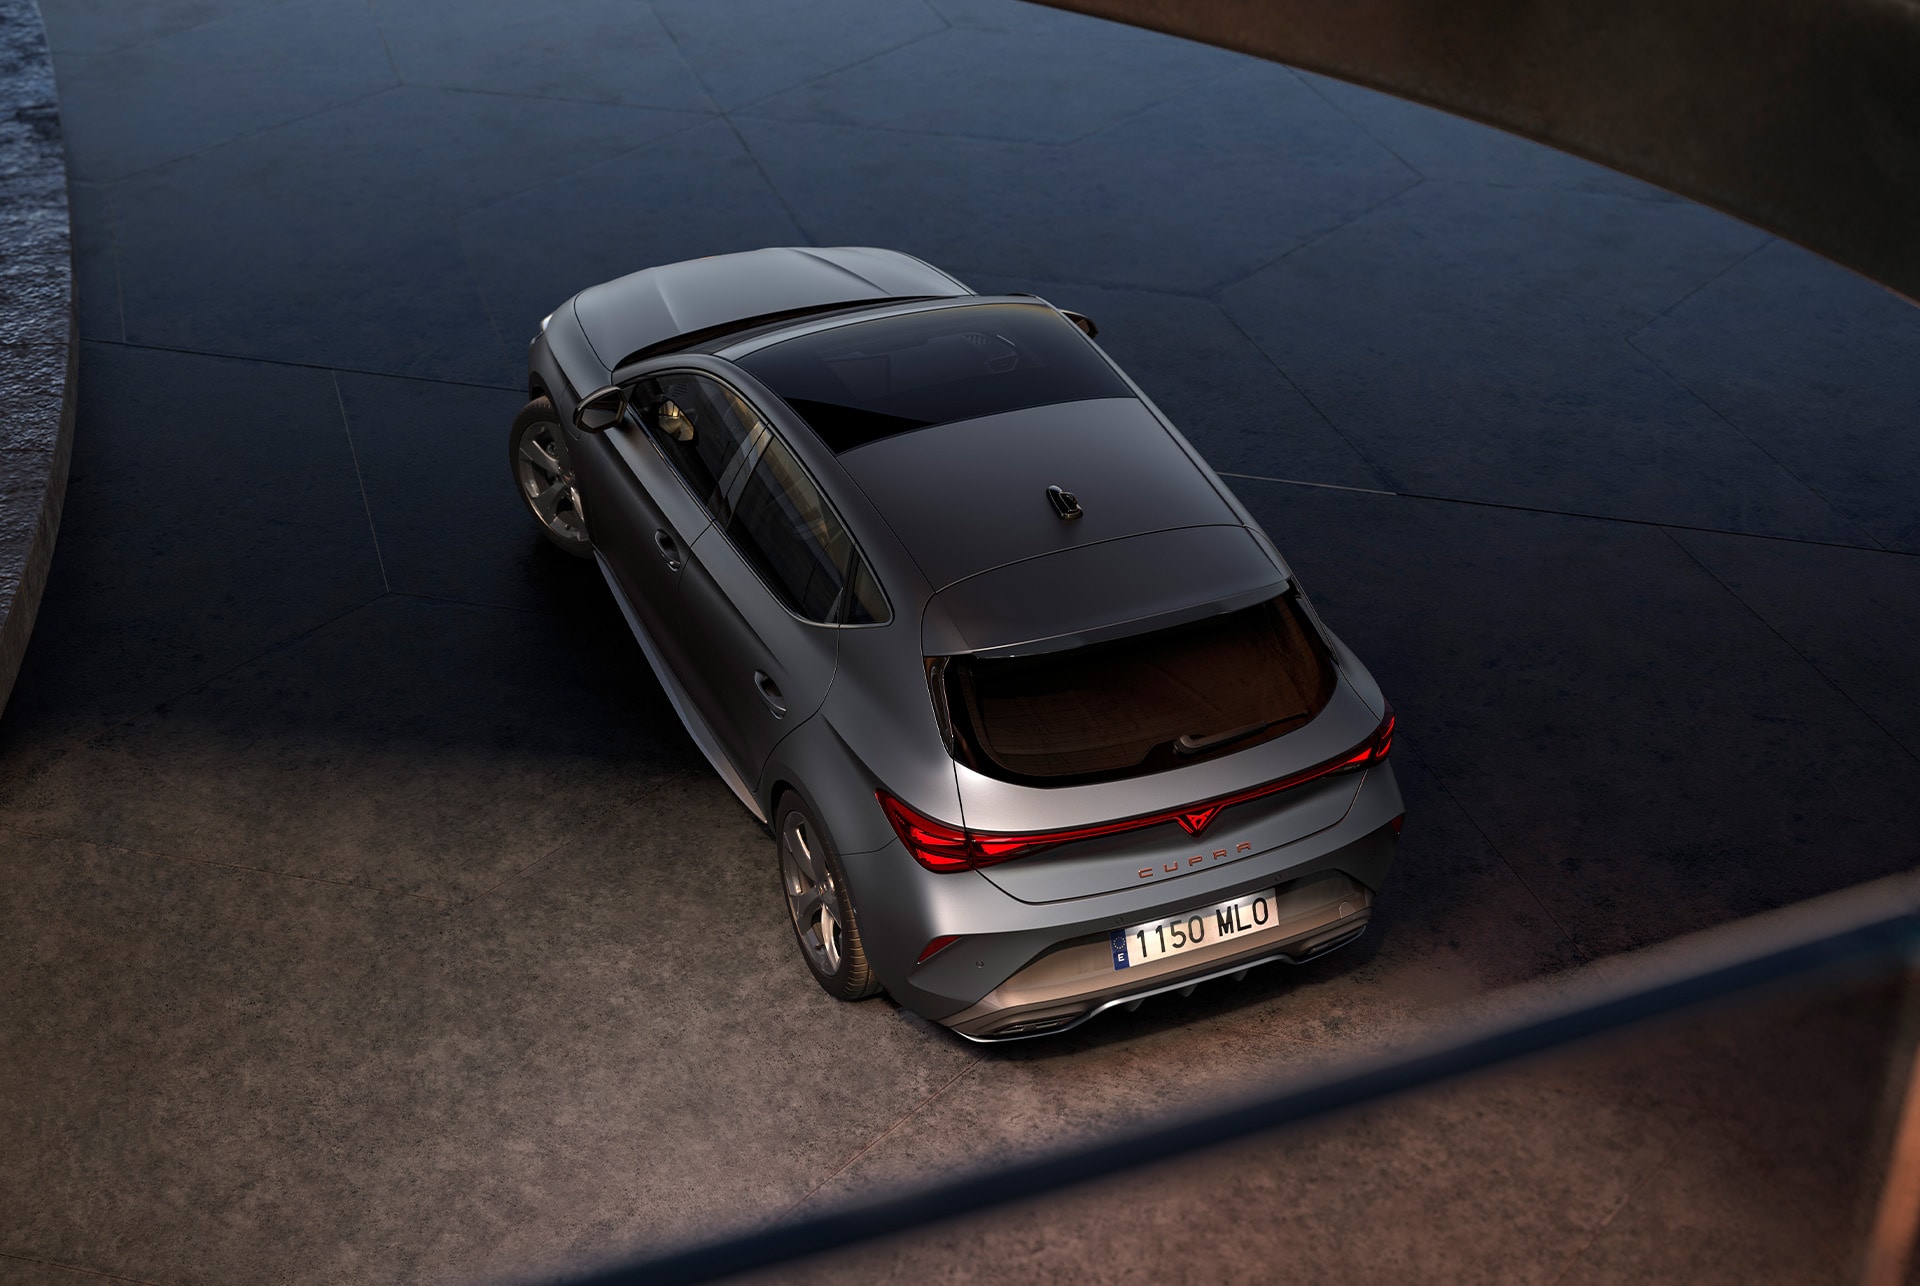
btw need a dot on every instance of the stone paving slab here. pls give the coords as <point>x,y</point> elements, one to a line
<point>1257,160</point>
<point>603,51</point>
<point>1853,614</point>
<point>752,49</point>
<point>237,529</point>
<point>1775,347</point>
<point>238,74</point>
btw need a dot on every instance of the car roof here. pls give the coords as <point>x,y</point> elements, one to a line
<point>861,377</point>
<point>629,315</point>
<point>971,495</point>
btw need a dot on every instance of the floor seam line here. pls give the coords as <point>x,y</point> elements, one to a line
<point>760,169</point>
<point>1356,122</point>
<point>1626,1199</point>
<point>1766,240</point>
<point>509,878</point>
<point>680,55</point>
<point>380,30</point>
<point>883,1136</point>
<point>1313,239</point>
<point>241,138</point>
<point>1324,486</point>
<point>833,71</point>
<point>1207,83</point>
<point>1742,434</point>
<point>553,181</point>
<point>297,365</point>
<point>1662,524</point>
<point>1579,949</point>
<point>80,740</point>
<point>360,480</point>
<point>1379,474</point>
<point>101,1273</point>
<point>1787,643</point>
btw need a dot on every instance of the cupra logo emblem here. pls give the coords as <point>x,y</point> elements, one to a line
<point>1195,820</point>
<point>1198,859</point>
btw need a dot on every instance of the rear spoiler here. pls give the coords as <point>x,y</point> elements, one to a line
<point>735,329</point>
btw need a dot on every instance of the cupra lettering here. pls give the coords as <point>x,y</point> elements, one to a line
<point>1147,872</point>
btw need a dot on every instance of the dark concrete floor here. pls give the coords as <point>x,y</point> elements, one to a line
<point>369,917</point>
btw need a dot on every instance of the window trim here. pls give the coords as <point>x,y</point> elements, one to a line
<point>841,601</point>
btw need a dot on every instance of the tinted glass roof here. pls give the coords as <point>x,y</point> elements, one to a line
<point>858,383</point>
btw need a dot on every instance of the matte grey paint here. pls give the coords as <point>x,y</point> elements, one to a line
<point>955,523</point>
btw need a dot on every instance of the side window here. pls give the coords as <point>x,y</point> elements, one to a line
<point>761,497</point>
<point>696,426</point>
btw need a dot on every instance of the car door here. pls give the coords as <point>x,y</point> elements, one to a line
<point>762,590</point>
<point>642,519</point>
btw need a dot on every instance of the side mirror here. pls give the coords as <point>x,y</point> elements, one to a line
<point>1084,322</point>
<point>601,410</point>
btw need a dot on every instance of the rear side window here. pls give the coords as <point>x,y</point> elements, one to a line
<point>763,499</point>
<point>1138,705</point>
<point>857,383</point>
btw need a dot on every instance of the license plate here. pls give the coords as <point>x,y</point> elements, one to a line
<point>1156,939</point>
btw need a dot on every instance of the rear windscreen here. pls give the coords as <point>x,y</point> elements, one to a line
<point>1141,704</point>
<point>869,380</point>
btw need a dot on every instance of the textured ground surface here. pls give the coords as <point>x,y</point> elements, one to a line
<point>367,917</point>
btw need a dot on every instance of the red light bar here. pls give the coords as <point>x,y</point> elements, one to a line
<point>936,945</point>
<point>943,848</point>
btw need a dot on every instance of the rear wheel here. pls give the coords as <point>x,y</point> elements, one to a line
<point>820,903</point>
<point>544,477</point>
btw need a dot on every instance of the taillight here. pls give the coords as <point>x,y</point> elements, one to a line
<point>935,846</point>
<point>943,849</point>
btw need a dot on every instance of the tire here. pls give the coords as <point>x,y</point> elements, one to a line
<point>820,904</point>
<point>546,485</point>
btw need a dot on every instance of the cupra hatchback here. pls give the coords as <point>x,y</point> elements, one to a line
<point>1040,721</point>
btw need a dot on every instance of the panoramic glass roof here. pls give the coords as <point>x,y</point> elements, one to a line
<point>869,380</point>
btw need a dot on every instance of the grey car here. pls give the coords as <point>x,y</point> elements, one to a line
<point>1040,721</point>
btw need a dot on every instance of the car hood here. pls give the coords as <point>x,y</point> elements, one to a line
<point>970,496</point>
<point>635,312</point>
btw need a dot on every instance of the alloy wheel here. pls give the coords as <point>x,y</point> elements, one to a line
<point>548,485</point>
<point>812,897</point>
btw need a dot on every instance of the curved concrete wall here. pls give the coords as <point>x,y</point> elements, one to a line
<point>1801,117</point>
<point>37,348</point>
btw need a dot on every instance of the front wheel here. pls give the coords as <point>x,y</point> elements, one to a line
<point>544,477</point>
<point>820,904</point>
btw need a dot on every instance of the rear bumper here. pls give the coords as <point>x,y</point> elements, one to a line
<point>1075,980</point>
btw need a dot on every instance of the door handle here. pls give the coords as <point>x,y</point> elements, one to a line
<point>668,550</point>
<point>769,693</point>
